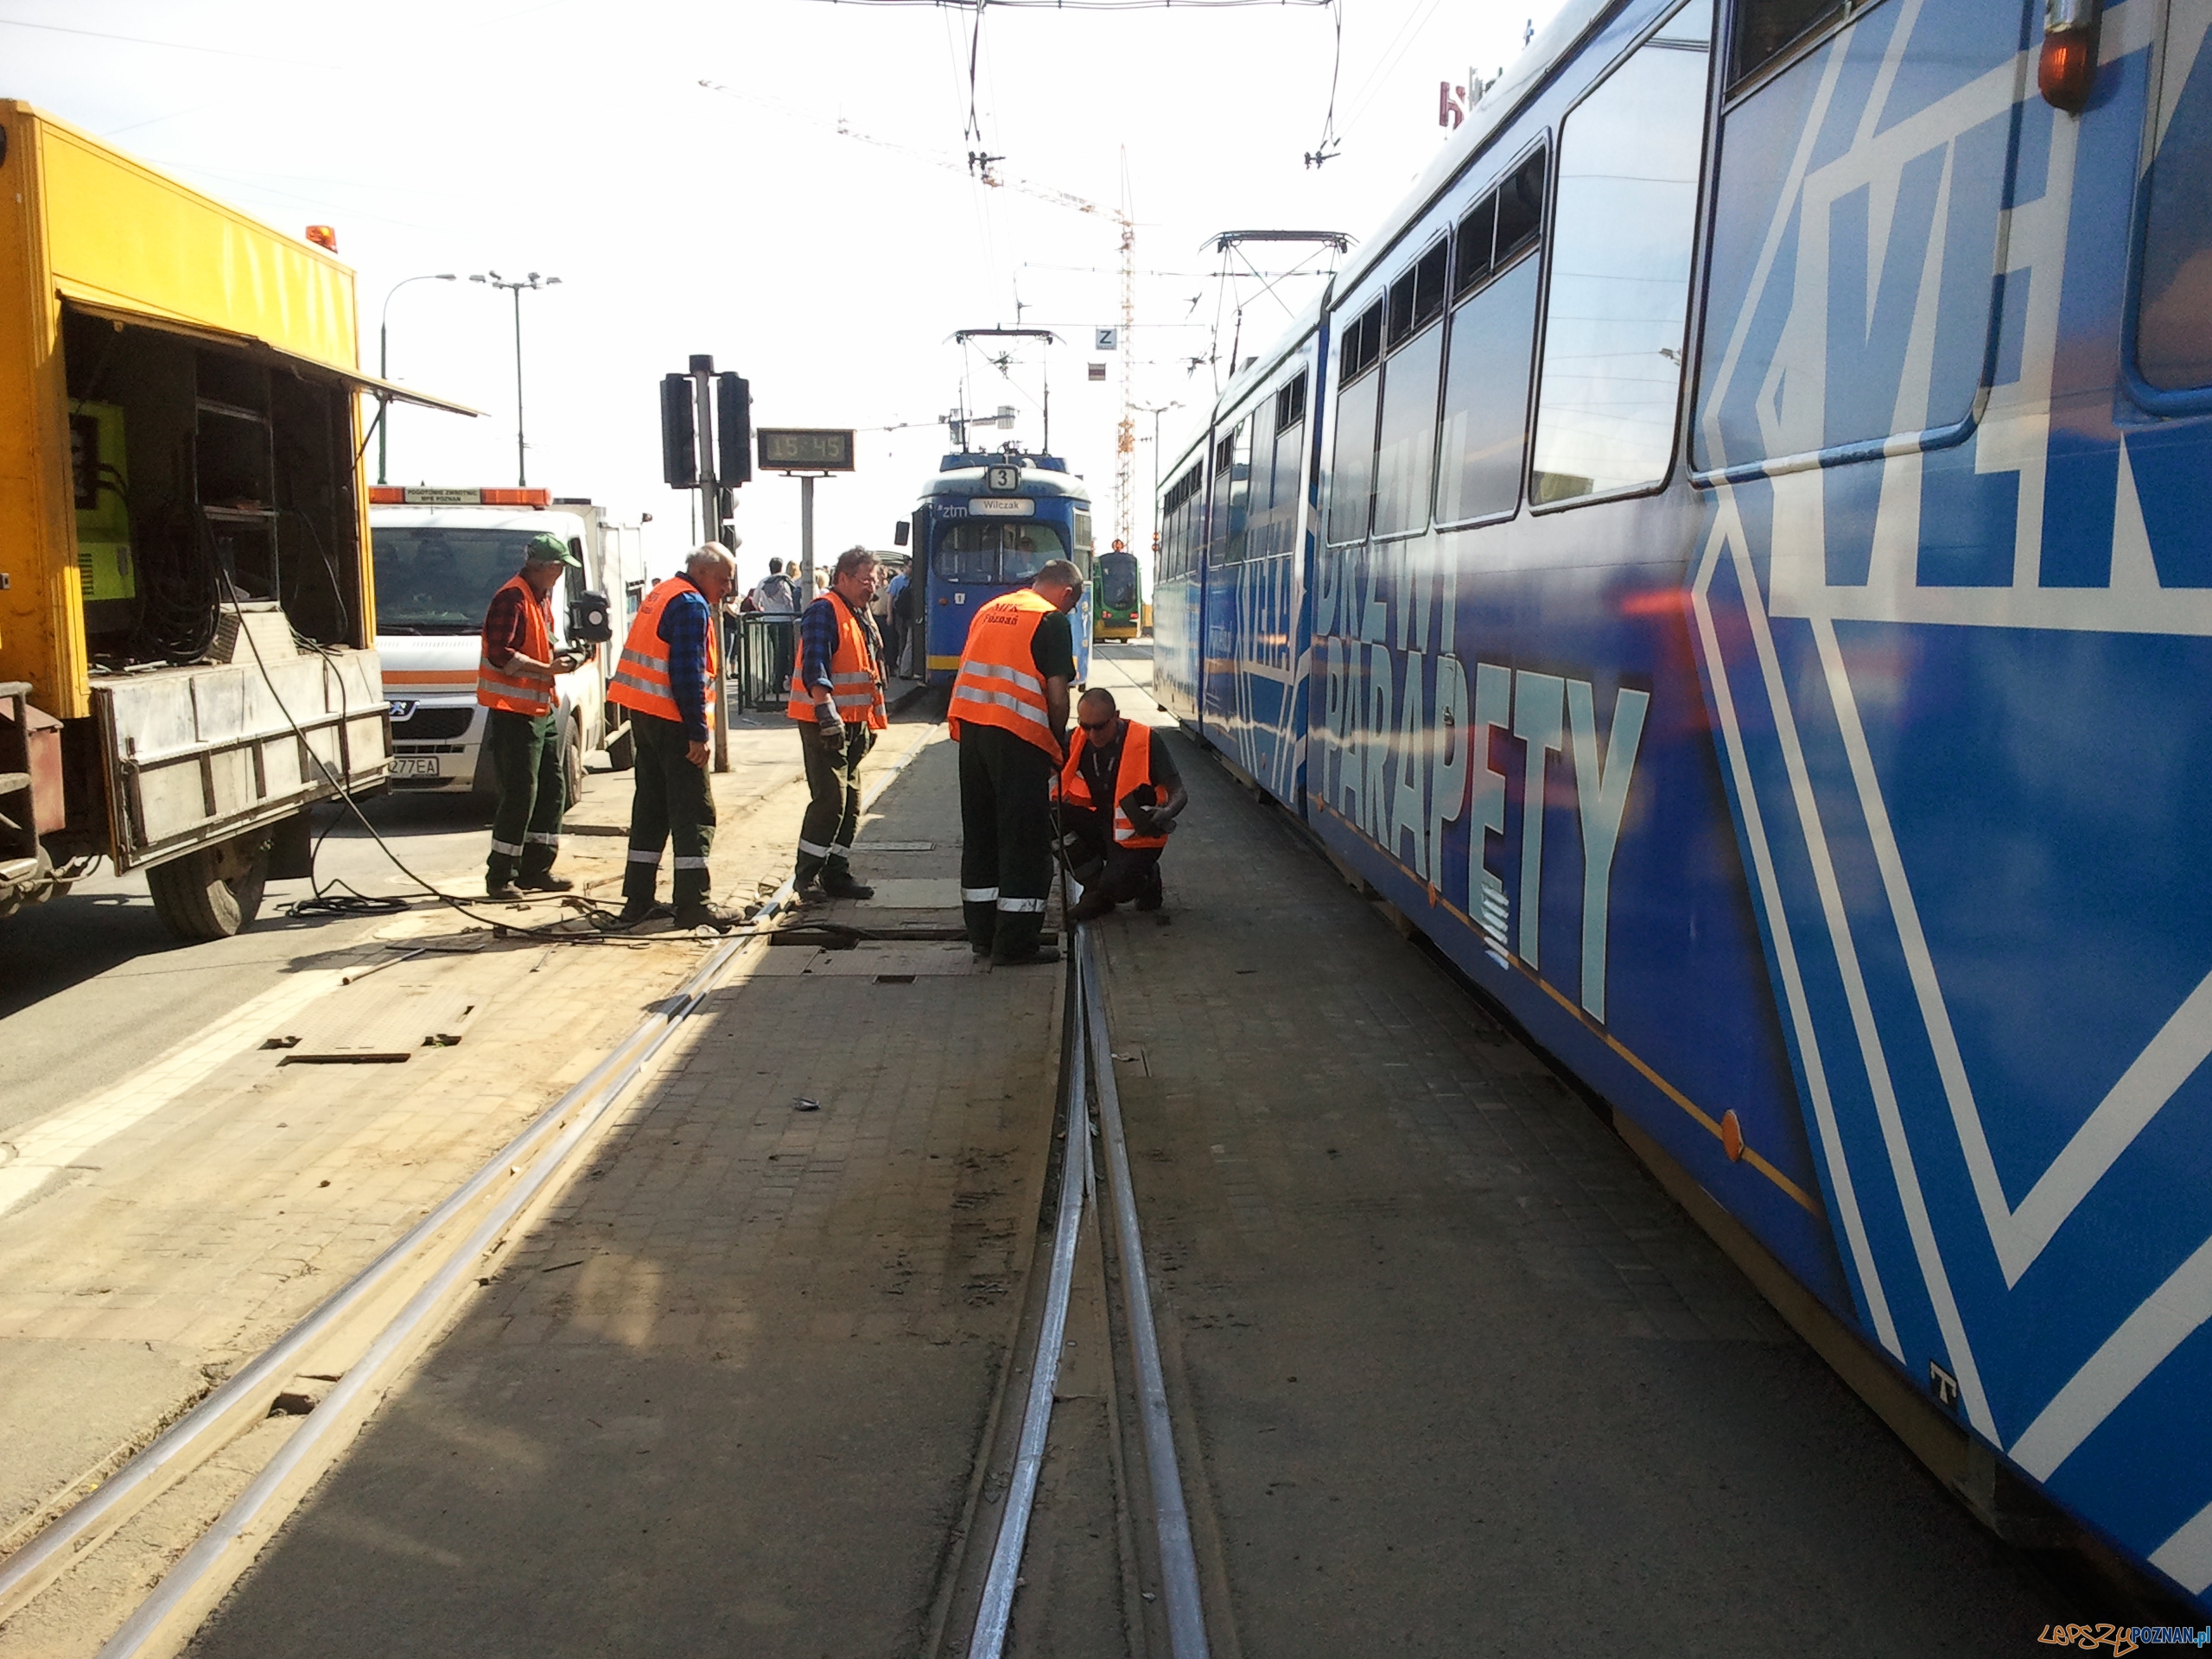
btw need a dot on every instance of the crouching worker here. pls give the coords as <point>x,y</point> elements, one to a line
<point>669,676</point>
<point>1120,796</point>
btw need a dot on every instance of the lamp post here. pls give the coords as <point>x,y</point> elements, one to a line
<point>1156,412</point>
<point>383,360</point>
<point>515,287</point>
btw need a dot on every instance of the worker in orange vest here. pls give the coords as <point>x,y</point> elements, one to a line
<point>1008,712</point>
<point>1119,796</point>
<point>523,738</point>
<point>667,677</point>
<point>836,698</point>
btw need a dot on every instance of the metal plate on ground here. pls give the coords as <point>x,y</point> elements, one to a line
<point>377,1024</point>
<point>894,962</point>
<point>915,892</point>
<point>894,846</point>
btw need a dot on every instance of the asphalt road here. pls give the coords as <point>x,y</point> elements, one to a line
<point>92,985</point>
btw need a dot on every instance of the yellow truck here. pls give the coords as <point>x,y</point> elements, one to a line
<point>186,606</point>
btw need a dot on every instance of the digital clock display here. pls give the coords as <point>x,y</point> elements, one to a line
<point>805,449</point>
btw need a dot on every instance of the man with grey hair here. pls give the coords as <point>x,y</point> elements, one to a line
<point>836,699</point>
<point>668,678</point>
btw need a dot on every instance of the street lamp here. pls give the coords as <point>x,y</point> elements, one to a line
<point>1156,412</point>
<point>383,360</point>
<point>533,282</point>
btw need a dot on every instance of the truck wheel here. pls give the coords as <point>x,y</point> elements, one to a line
<point>214,892</point>
<point>621,752</point>
<point>572,761</point>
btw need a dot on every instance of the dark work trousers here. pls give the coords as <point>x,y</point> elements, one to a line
<point>672,803</point>
<point>1127,872</point>
<point>833,812</point>
<point>526,763</point>
<point>1006,828</point>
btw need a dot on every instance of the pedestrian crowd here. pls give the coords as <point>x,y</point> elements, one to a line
<point>1103,800</point>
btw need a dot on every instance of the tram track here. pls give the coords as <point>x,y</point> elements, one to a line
<point>358,1338</point>
<point>1097,1226</point>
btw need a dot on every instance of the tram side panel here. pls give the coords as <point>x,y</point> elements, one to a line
<point>1787,804</point>
<point>1177,586</point>
<point>1946,687</point>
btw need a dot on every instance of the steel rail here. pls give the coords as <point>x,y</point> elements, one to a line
<point>989,1639</point>
<point>1179,1565</point>
<point>223,1415</point>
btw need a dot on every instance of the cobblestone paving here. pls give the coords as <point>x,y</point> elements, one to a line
<point>1463,1380</point>
<point>727,1396</point>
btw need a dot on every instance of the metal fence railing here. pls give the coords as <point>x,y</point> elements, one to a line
<point>761,658</point>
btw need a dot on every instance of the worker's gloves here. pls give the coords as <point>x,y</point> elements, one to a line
<point>831,725</point>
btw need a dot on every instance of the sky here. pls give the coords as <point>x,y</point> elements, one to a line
<point>782,185</point>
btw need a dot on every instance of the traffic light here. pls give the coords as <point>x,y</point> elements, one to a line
<point>679,436</point>
<point>733,429</point>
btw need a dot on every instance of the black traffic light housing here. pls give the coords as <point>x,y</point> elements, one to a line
<point>733,429</point>
<point>679,434</point>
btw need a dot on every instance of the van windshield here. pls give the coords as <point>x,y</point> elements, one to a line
<point>439,581</point>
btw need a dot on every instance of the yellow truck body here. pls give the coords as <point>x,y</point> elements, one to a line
<point>184,579</point>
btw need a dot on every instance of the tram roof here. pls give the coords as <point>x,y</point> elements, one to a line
<point>1035,481</point>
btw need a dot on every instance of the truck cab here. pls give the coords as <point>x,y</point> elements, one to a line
<point>440,555</point>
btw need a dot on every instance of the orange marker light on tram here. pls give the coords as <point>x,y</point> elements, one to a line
<point>2066,69</point>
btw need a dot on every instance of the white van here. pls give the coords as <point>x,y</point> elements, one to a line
<point>441,553</point>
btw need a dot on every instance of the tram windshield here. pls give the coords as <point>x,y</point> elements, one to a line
<point>983,549</point>
<point>1117,582</point>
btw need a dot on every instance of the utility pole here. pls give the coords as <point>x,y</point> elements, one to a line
<point>384,360</point>
<point>806,539</point>
<point>533,282</point>
<point>710,519</point>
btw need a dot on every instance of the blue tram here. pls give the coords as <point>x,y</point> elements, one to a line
<point>1730,559</point>
<point>985,525</point>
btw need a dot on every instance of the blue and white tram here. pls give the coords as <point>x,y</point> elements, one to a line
<point>1752,609</point>
<point>985,525</point>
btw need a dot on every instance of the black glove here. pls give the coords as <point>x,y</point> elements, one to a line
<point>831,725</point>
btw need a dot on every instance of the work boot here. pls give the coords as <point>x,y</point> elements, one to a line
<point>503,892</point>
<point>1093,905</point>
<point>642,910</point>
<point>547,882</point>
<point>1151,897</point>
<point>705,915</point>
<point>1038,958</point>
<point>840,884</point>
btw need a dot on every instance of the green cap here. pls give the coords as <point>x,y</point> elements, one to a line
<point>549,550</point>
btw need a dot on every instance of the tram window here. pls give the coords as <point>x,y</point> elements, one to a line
<point>1290,404</point>
<point>1485,423</point>
<point>1429,275</point>
<point>1521,207</point>
<point>984,549</point>
<point>1401,308</point>
<point>1233,490</point>
<point>1406,450</point>
<point>2173,336</point>
<point>1613,364</point>
<point>1471,256</point>
<point>1352,476</point>
<point>1767,28</point>
<point>1363,344</point>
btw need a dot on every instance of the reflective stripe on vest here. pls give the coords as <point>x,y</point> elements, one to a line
<point>641,675</point>
<point>998,683</point>
<point>1135,767</point>
<point>854,686</point>
<point>522,692</point>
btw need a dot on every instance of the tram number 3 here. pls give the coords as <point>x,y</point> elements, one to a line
<point>1002,479</point>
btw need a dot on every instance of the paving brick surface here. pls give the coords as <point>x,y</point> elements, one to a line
<point>1463,1380</point>
<point>728,1395</point>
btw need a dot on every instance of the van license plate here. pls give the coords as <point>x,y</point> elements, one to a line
<point>415,765</point>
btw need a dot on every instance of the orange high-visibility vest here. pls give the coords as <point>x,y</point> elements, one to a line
<point>998,683</point>
<point>854,686</point>
<point>525,691</point>
<point>1133,768</point>
<point>641,679</point>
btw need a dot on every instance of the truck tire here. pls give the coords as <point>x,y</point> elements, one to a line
<point>214,892</point>
<point>572,761</point>
<point>621,752</point>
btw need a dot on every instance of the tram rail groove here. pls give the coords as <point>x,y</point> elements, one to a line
<point>1179,1568</point>
<point>996,1612</point>
<point>524,1170</point>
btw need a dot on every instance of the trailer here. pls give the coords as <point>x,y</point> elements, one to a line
<point>186,613</point>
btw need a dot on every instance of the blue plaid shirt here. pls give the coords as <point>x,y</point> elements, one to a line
<point>683,627</point>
